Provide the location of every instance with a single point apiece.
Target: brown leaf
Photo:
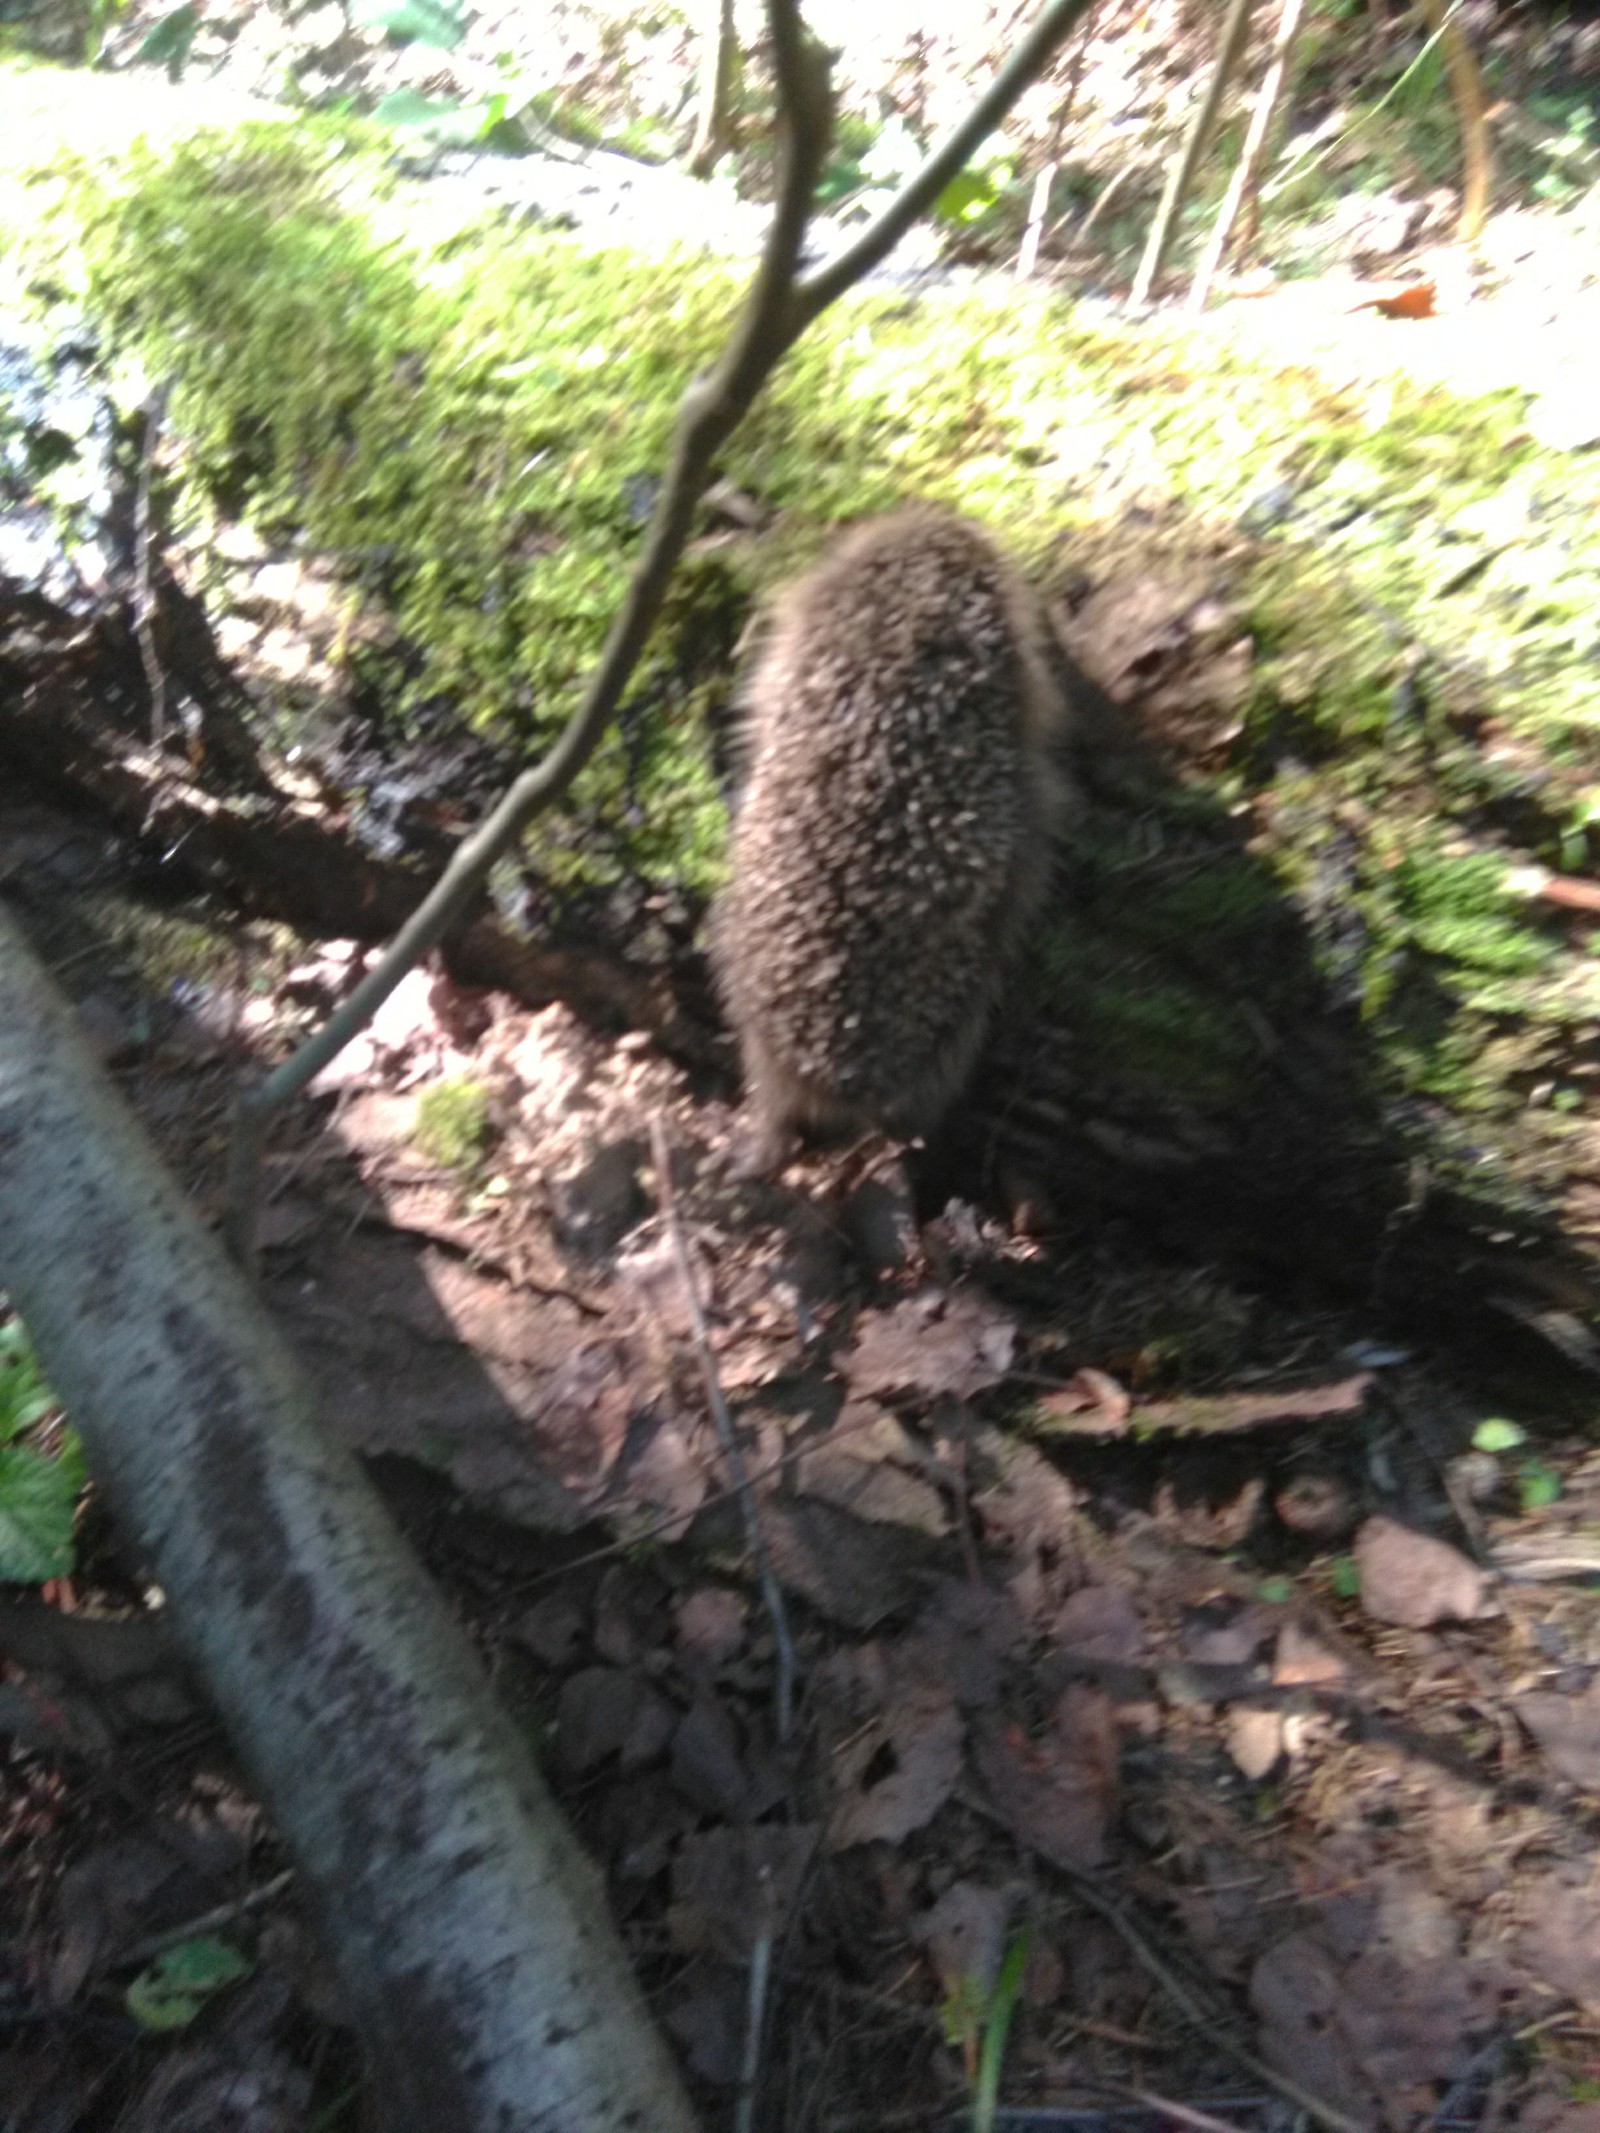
(961, 1641)
(1307, 1656)
(711, 1623)
(1102, 1622)
(1057, 1793)
(707, 1764)
(1416, 300)
(895, 1774)
(1567, 1729)
(943, 1341)
(708, 2013)
(873, 1489)
(1560, 1940)
(1413, 1580)
(850, 1571)
(733, 1887)
(608, 1710)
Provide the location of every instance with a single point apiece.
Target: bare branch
(918, 194)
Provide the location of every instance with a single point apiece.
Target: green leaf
(178, 1983)
(1541, 1484)
(1497, 1435)
(167, 44)
(969, 194)
(1275, 1590)
(433, 22)
(25, 1398)
(38, 1496)
(1346, 1577)
(986, 2092)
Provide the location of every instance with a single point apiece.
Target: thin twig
(1248, 168)
(727, 1437)
(1189, 2007)
(1235, 23)
(1173, 1986)
(146, 535)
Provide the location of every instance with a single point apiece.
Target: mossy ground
(471, 424)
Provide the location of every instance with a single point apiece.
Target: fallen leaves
(1412, 1580)
(897, 1771)
(941, 1342)
(1567, 1729)
(1057, 1793)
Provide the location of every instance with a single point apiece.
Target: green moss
(453, 1125)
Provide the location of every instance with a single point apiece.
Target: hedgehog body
(893, 837)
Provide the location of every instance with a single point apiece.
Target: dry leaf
(943, 1341)
(1413, 1580)
(1560, 1940)
(1058, 1793)
(608, 1710)
(735, 1886)
(1416, 300)
(895, 1774)
(1567, 1729)
(1090, 1404)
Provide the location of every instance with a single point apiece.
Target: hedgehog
(893, 836)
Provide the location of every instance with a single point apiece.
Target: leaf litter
(1077, 1650)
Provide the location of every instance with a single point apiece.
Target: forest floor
(1207, 1656)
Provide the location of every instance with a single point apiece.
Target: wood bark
(470, 1930)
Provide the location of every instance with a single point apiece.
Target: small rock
(1303, 1659)
(1413, 1580)
(1255, 1741)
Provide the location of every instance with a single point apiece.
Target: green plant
(41, 1468)
(977, 2019)
(177, 1985)
(453, 1125)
